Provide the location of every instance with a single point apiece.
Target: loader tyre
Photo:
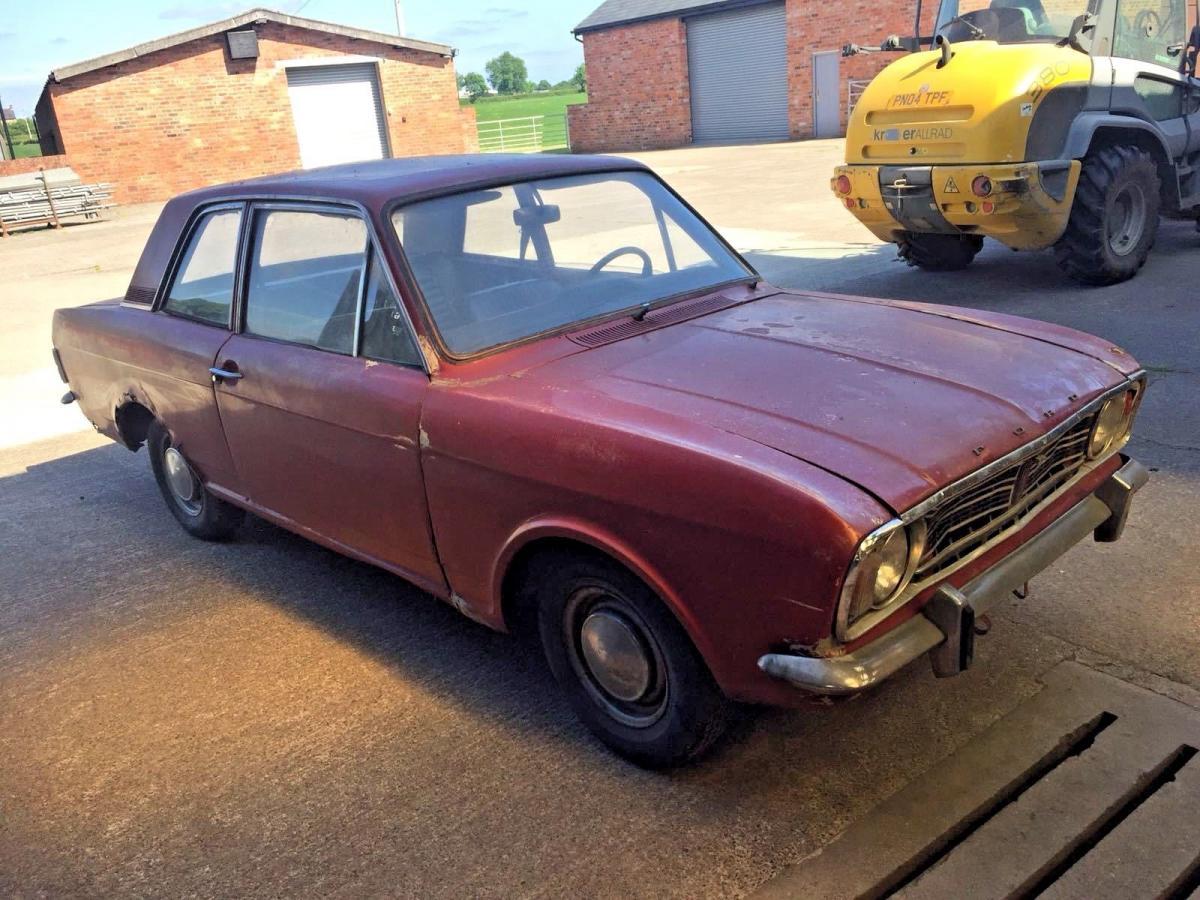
(1114, 219)
(939, 252)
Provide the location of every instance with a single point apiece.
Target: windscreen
(1008, 21)
(507, 263)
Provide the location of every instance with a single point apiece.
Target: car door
(320, 389)
(192, 322)
(1149, 42)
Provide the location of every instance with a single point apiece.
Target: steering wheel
(647, 265)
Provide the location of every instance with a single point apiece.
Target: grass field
(23, 142)
(552, 130)
(488, 109)
(21, 151)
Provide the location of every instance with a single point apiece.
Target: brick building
(258, 93)
(664, 73)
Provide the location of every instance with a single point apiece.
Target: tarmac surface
(265, 717)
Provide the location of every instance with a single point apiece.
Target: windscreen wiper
(977, 33)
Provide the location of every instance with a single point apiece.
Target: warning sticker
(951, 186)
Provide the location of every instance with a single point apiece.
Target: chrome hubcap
(615, 656)
(182, 480)
(1126, 219)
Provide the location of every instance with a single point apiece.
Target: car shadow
(110, 536)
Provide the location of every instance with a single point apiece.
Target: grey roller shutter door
(338, 111)
(737, 65)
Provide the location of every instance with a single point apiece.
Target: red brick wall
(638, 93)
(816, 27)
(189, 116)
(29, 164)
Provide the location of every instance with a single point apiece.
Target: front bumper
(1028, 208)
(945, 629)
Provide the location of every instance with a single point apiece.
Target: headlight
(1112, 423)
(881, 569)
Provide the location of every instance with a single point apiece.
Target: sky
(36, 37)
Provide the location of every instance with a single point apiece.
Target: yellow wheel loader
(1064, 124)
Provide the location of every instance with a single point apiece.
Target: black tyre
(939, 252)
(627, 666)
(200, 513)
(1114, 219)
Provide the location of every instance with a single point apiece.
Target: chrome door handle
(219, 375)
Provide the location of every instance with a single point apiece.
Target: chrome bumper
(946, 625)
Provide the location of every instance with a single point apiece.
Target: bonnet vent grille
(628, 327)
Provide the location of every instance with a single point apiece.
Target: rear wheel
(1114, 219)
(195, 508)
(627, 666)
(939, 252)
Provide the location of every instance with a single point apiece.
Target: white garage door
(338, 113)
(737, 65)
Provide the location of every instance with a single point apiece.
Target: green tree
(475, 85)
(461, 79)
(543, 85)
(507, 73)
(579, 79)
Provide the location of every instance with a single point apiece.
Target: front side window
(1008, 21)
(203, 285)
(306, 270)
(504, 264)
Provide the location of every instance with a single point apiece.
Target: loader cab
(1149, 31)
(1140, 52)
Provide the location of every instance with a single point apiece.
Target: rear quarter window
(203, 285)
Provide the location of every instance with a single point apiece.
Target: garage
(338, 113)
(737, 67)
(256, 93)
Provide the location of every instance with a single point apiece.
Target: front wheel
(625, 663)
(195, 508)
(1114, 219)
(939, 252)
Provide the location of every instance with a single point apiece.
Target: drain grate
(1072, 744)
(1088, 790)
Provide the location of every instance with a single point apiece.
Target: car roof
(383, 181)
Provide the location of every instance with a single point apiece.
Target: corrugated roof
(622, 12)
(246, 18)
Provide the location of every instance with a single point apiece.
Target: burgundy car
(545, 390)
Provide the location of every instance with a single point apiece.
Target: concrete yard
(265, 718)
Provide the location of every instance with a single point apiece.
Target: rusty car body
(695, 487)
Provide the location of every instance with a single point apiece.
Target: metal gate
(338, 111)
(737, 65)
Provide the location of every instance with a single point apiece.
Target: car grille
(966, 522)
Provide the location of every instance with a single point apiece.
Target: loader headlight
(881, 569)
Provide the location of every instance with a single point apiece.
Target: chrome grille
(964, 523)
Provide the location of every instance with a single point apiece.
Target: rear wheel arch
(1142, 138)
(133, 420)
